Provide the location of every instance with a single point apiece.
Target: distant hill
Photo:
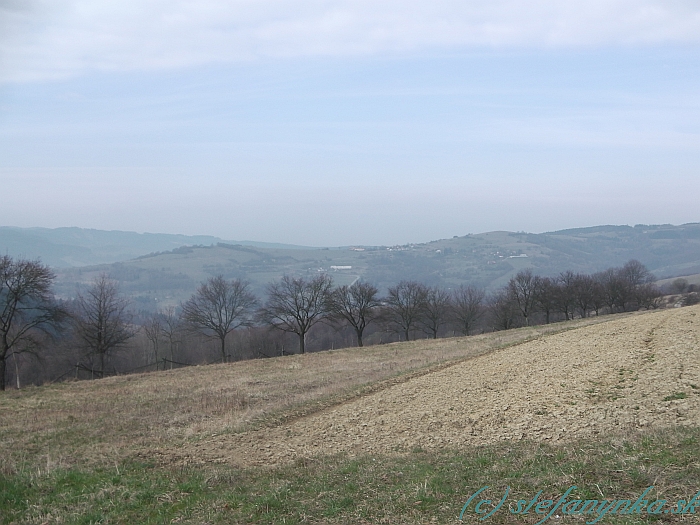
(487, 259)
(74, 247)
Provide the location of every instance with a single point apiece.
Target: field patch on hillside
(99, 422)
(624, 375)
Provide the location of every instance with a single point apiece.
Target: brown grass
(103, 421)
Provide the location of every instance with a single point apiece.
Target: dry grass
(101, 422)
(103, 451)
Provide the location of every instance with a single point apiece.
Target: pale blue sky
(335, 123)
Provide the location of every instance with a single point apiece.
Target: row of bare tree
(630, 287)
(295, 305)
(98, 322)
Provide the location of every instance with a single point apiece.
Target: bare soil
(103, 421)
(630, 373)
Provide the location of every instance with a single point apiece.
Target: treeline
(43, 339)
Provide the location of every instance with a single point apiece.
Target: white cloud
(55, 40)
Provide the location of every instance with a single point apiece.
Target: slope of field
(399, 433)
(626, 374)
(98, 422)
(599, 375)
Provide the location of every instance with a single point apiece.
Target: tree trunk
(359, 337)
(223, 349)
(406, 333)
(14, 355)
(2, 374)
(302, 343)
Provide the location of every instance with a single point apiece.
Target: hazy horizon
(348, 123)
(281, 242)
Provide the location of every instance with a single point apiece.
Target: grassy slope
(70, 452)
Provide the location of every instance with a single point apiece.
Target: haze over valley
(160, 270)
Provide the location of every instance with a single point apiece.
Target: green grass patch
(420, 487)
(675, 396)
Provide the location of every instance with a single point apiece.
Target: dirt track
(612, 376)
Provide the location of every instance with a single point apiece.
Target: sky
(329, 123)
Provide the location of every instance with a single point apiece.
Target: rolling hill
(74, 247)
(487, 259)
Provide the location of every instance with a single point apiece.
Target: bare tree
(295, 305)
(503, 309)
(583, 293)
(467, 307)
(639, 284)
(636, 274)
(522, 289)
(648, 296)
(621, 285)
(358, 305)
(613, 289)
(546, 296)
(679, 286)
(102, 319)
(598, 298)
(171, 328)
(565, 293)
(404, 305)
(153, 328)
(218, 307)
(436, 310)
(26, 308)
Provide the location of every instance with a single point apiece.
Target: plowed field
(633, 372)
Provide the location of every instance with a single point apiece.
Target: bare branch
(405, 304)
(295, 305)
(26, 307)
(102, 320)
(218, 308)
(467, 307)
(357, 305)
